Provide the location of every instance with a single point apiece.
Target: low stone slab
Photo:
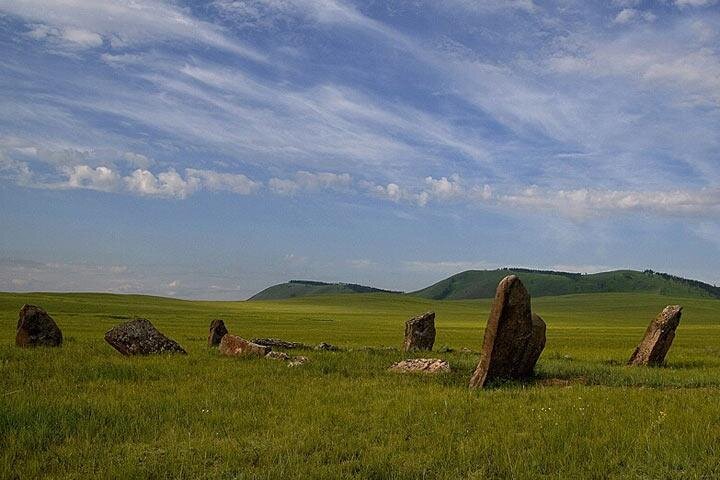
(424, 365)
(140, 337)
(217, 331)
(278, 356)
(297, 361)
(327, 347)
(658, 338)
(513, 339)
(277, 343)
(420, 332)
(36, 328)
(234, 346)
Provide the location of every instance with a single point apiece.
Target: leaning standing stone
(420, 332)
(140, 337)
(508, 333)
(217, 331)
(234, 346)
(36, 328)
(658, 338)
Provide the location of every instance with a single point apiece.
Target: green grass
(84, 411)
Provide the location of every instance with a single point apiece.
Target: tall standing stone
(36, 328)
(513, 341)
(420, 332)
(217, 331)
(140, 337)
(658, 338)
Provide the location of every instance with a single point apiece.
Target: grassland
(84, 411)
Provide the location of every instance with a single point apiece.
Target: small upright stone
(217, 331)
(420, 332)
(36, 328)
(140, 337)
(512, 341)
(658, 338)
(234, 346)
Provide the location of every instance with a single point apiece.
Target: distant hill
(474, 284)
(540, 283)
(303, 288)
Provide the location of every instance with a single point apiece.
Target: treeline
(710, 289)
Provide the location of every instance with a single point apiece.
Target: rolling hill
(482, 284)
(304, 288)
(474, 284)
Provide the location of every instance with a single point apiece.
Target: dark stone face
(658, 338)
(513, 339)
(420, 332)
(217, 331)
(36, 328)
(140, 337)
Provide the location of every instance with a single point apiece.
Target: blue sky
(210, 149)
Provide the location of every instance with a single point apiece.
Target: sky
(211, 149)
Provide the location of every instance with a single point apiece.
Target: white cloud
(167, 184)
(626, 15)
(229, 182)
(85, 22)
(99, 178)
(311, 182)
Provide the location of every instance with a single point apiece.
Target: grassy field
(84, 411)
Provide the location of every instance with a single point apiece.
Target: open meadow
(85, 411)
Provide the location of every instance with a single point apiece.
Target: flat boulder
(658, 338)
(424, 365)
(420, 332)
(234, 346)
(277, 343)
(36, 328)
(217, 331)
(278, 356)
(140, 337)
(297, 361)
(513, 340)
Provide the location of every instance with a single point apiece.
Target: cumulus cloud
(218, 182)
(99, 178)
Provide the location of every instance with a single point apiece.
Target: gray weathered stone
(420, 332)
(36, 328)
(140, 337)
(217, 331)
(424, 365)
(658, 338)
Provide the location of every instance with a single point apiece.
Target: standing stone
(140, 337)
(217, 331)
(234, 346)
(36, 328)
(512, 343)
(658, 338)
(420, 332)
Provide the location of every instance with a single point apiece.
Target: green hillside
(482, 284)
(304, 288)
